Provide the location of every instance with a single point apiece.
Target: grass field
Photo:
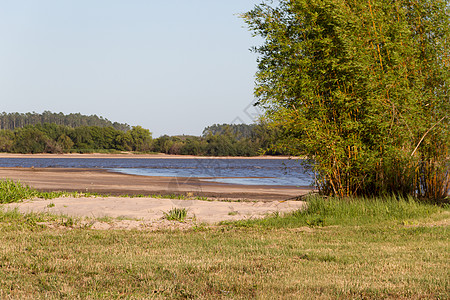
(365, 249)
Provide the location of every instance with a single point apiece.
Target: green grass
(354, 212)
(14, 220)
(176, 214)
(366, 249)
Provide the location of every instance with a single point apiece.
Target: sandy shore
(105, 182)
(147, 213)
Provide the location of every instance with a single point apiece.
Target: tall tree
(360, 87)
(18, 120)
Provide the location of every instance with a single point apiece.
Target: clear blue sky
(170, 66)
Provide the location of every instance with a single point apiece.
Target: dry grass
(388, 259)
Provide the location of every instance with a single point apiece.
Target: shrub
(362, 89)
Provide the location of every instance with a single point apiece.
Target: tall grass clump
(364, 210)
(176, 214)
(11, 191)
(348, 211)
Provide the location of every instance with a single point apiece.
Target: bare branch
(426, 134)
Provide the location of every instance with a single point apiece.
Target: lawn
(366, 249)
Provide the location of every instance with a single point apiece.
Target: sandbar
(111, 183)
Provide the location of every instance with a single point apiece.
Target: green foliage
(53, 138)
(65, 142)
(362, 89)
(222, 140)
(139, 139)
(240, 131)
(30, 140)
(11, 191)
(176, 214)
(6, 140)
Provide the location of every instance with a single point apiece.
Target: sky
(173, 67)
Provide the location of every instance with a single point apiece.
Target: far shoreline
(125, 155)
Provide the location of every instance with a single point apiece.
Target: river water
(236, 171)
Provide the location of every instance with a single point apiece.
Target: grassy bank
(15, 191)
(367, 249)
(11, 191)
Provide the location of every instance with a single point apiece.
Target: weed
(11, 191)
(176, 214)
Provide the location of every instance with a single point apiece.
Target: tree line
(222, 140)
(15, 120)
(217, 140)
(54, 138)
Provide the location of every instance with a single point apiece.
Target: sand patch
(131, 213)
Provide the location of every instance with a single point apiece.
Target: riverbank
(106, 182)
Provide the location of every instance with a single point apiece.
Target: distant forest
(15, 120)
(222, 140)
(58, 133)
